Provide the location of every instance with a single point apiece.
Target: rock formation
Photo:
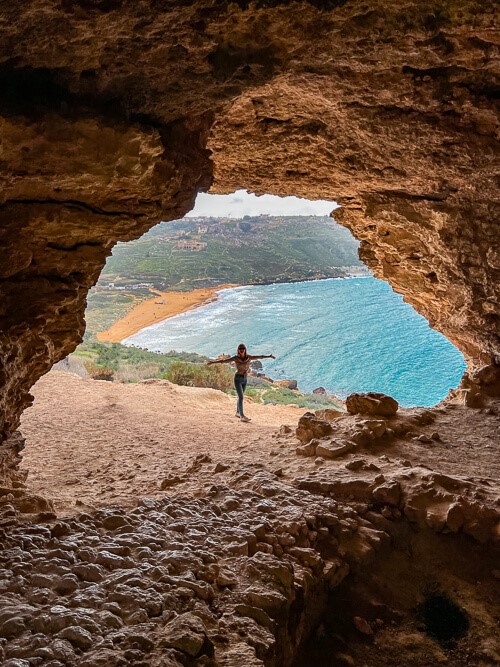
(114, 114)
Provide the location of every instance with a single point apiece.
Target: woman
(242, 362)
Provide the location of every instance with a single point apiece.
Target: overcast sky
(242, 203)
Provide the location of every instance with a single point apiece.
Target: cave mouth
(443, 619)
(372, 340)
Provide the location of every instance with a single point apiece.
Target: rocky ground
(177, 535)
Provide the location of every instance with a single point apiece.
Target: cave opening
(282, 255)
(147, 322)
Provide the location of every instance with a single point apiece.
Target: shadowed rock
(371, 403)
(310, 427)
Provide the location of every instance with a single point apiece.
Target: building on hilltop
(193, 246)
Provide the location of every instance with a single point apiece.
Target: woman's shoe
(245, 419)
(238, 415)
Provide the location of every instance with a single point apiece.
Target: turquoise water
(346, 335)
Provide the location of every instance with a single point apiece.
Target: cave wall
(114, 113)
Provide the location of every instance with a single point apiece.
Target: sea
(344, 334)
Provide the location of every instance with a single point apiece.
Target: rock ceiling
(115, 113)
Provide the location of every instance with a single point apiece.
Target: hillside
(195, 252)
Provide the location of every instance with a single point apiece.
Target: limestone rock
(170, 480)
(371, 403)
(12, 627)
(388, 493)
(288, 384)
(377, 426)
(79, 637)
(258, 614)
(308, 449)
(185, 633)
(455, 518)
(333, 449)
(310, 427)
(114, 521)
(362, 625)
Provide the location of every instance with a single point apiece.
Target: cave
(116, 114)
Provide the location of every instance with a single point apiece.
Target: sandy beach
(156, 309)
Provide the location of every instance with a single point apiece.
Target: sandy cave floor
(93, 444)
(100, 443)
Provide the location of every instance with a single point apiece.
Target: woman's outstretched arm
(221, 361)
(261, 356)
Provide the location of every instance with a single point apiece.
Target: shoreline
(157, 309)
(151, 312)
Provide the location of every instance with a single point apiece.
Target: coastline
(152, 311)
(157, 309)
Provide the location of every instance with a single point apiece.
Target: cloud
(241, 203)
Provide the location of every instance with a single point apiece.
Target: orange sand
(153, 311)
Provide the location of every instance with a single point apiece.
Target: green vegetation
(116, 362)
(283, 396)
(106, 307)
(194, 375)
(261, 249)
(129, 364)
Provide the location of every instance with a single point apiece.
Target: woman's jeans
(240, 384)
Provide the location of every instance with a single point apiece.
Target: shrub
(196, 375)
(138, 372)
(99, 372)
(283, 396)
(253, 393)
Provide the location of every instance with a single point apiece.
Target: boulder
(308, 449)
(388, 493)
(79, 637)
(288, 384)
(371, 403)
(377, 426)
(320, 390)
(333, 449)
(310, 427)
(185, 633)
(454, 518)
